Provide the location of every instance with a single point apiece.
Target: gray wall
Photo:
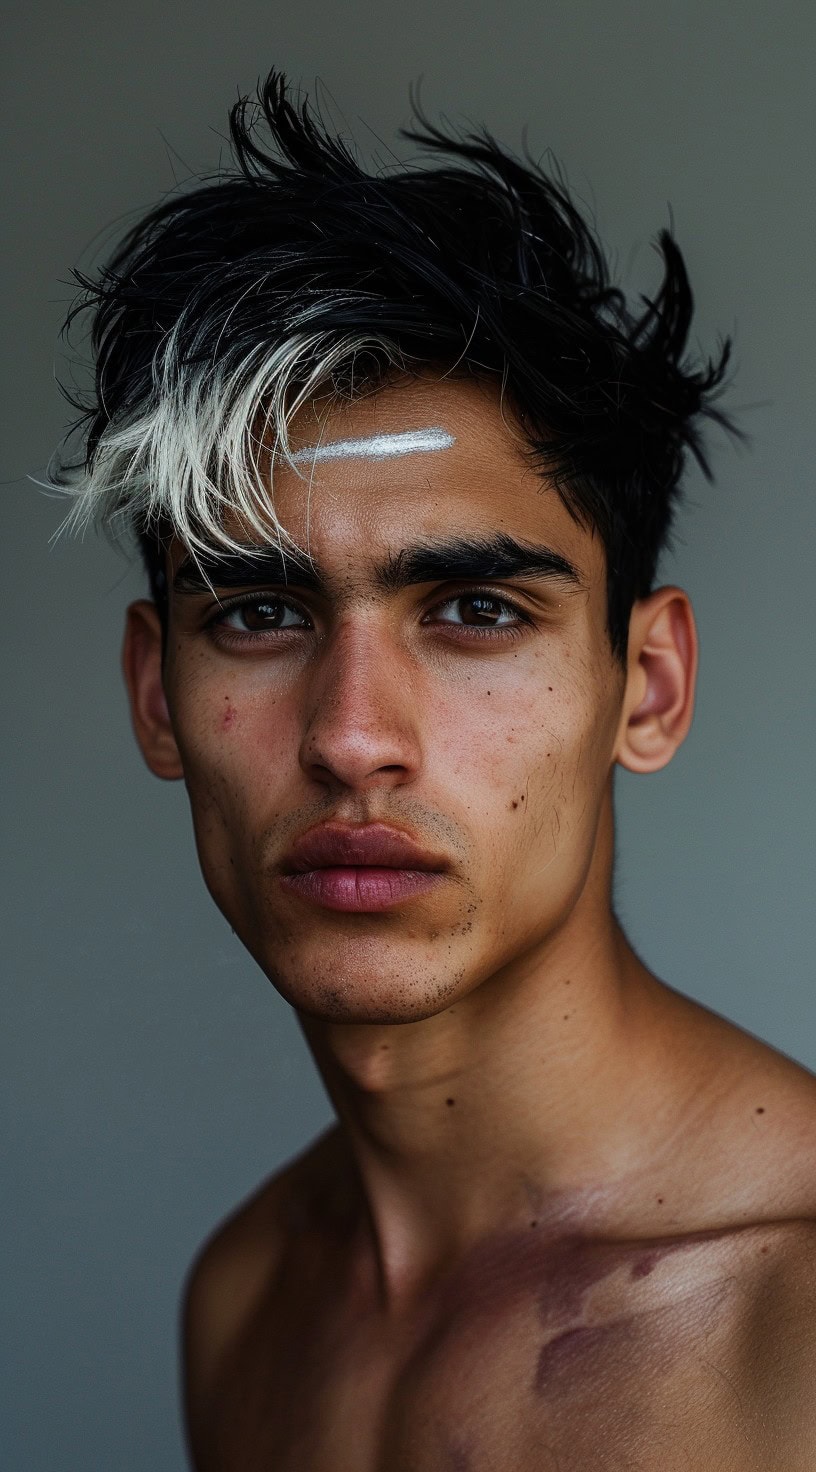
(153, 1075)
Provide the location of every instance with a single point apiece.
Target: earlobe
(658, 701)
(142, 668)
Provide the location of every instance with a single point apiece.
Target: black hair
(481, 264)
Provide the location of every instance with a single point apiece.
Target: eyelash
(216, 624)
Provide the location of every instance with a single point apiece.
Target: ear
(658, 701)
(142, 667)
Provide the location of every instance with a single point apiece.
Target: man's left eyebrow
(465, 559)
(254, 567)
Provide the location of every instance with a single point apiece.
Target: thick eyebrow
(466, 559)
(454, 559)
(256, 567)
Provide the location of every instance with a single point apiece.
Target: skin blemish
(560, 1272)
(514, 804)
(760, 1110)
(458, 1458)
(450, 1101)
(569, 1351)
(660, 1200)
(228, 717)
(644, 1266)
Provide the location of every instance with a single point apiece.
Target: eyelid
(255, 596)
(477, 590)
(454, 592)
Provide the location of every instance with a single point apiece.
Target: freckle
(763, 1249)
(533, 1224)
(514, 804)
(566, 1016)
(568, 981)
(450, 1101)
(760, 1110)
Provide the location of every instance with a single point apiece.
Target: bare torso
(545, 1349)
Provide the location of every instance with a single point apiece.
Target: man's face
(400, 685)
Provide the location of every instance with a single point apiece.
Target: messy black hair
(296, 273)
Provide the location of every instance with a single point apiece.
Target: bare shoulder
(780, 1104)
(237, 1268)
(755, 1148)
(780, 1153)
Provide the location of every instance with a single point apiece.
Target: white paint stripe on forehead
(379, 446)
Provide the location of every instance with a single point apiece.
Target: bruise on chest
(576, 1296)
(531, 1343)
(587, 1351)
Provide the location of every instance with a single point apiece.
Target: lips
(373, 845)
(364, 869)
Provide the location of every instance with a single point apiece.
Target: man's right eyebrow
(250, 568)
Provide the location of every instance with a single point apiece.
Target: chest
(495, 1382)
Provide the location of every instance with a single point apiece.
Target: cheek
(534, 767)
(237, 750)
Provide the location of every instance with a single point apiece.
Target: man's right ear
(142, 667)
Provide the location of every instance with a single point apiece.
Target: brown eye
(261, 616)
(478, 610)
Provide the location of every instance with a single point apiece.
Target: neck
(529, 1100)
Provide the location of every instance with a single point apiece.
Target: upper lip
(331, 845)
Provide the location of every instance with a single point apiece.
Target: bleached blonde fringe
(193, 452)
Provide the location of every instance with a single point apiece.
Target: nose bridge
(359, 722)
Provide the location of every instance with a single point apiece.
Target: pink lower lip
(364, 889)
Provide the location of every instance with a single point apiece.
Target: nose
(361, 730)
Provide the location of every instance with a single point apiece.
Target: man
(402, 462)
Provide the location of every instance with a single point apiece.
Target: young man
(402, 462)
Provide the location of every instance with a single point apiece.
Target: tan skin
(565, 1219)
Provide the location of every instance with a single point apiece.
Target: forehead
(431, 457)
(421, 459)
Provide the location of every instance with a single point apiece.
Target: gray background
(153, 1076)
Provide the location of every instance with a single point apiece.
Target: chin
(376, 989)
